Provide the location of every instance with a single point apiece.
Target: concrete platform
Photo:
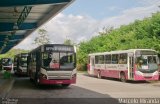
(5, 85)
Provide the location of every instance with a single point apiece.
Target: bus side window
(122, 58)
(99, 59)
(108, 59)
(96, 59)
(115, 59)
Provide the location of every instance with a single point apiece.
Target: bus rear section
(133, 64)
(6, 64)
(20, 64)
(53, 64)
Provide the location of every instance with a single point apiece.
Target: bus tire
(99, 75)
(31, 79)
(36, 80)
(122, 77)
(65, 85)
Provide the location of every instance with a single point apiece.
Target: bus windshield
(58, 60)
(6, 61)
(147, 63)
(24, 61)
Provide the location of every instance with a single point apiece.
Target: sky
(84, 19)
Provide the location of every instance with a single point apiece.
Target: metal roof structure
(19, 18)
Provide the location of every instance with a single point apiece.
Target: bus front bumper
(7, 68)
(145, 78)
(57, 81)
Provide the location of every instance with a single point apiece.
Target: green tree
(106, 30)
(42, 38)
(12, 53)
(140, 34)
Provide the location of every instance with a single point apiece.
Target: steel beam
(24, 26)
(12, 37)
(9, 3)
(23, 15)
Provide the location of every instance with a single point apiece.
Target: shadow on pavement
(27, 93)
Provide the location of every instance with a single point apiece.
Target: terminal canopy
(19, 18)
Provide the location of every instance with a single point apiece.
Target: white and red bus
(53, 64)
(132, 64)
(6, 64)
(20, 64)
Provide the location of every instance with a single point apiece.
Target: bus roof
(50, 45)
(19, 54)
(120, 51)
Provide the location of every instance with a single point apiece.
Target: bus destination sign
(59, 48)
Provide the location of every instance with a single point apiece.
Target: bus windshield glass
(6, 61)
(58, 60)
(24, 61)
(147, 63)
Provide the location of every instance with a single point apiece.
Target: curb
(6, 87)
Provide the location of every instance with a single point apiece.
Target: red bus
(132, 64)
(53, 64)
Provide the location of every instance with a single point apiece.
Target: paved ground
(5, 84)
(23, 88)
(88, 89)
(117, 89)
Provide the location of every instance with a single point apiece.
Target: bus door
(38, 61)
(92, 64)
(130, 66)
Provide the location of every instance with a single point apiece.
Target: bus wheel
(31, 79)
(37, 81)
(99, 75)
(65, 85)
(122, 77)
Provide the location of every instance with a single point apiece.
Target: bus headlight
(74, 75)
(138, 73)
(43, 76)
(155, 73)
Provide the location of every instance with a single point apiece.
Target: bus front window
(67, 60)
(147, 63)
(46, 59)
(24, 61)
(54, 63)
(6, 61)
(58, 60)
